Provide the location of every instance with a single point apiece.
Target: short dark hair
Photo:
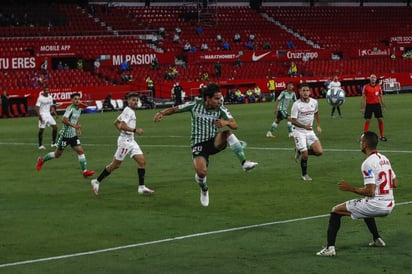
(304, 85)
(371, 139)
(209, 90)
(74, 95)
(131, 94)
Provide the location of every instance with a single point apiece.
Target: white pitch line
(187, 146)
(168, 240)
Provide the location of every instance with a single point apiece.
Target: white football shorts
(48, 120)
(304, 139)
(126, 145)
(368, 208)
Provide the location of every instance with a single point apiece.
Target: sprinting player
(372, 102)
(126, 144)
(44, 108)
(379, 179)
(69, 135)
(281, 109)
(303, 112)
(208, 116)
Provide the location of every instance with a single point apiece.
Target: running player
(69, 135)
(303, 112)
(281, 109)
(126, 144)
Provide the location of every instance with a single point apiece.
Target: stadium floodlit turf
(265, 221)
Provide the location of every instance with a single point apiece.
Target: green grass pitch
(265, 221)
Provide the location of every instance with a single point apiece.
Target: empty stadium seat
(99, 105)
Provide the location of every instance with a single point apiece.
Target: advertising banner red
(90, 94)
(135, 59)
(259, 55)
(7, 63)
(367, 52)
(56, 49)
(401, 41)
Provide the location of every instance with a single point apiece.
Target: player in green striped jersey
(208, 116)
(68, 135)
(281, 109)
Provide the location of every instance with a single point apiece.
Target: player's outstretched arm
(169, 111)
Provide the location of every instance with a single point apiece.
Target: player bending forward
(379, 179)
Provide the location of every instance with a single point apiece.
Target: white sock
(200, 180)
(232, 140)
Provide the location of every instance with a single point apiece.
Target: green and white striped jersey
(203, 120)
(285, 98)
(72, 113)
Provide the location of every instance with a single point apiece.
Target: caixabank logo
(374, 52)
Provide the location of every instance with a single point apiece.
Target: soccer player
(372, 97)
(44, 108)
(281, 109)
(335, 84)
(69, 135)
(379, 179)
(303, 112)
(126, 144)
(208, 116)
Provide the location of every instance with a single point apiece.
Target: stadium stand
(346, 32)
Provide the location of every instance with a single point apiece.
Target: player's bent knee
(201, 173)
(226, 133)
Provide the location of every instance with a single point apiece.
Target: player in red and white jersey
(379, 179)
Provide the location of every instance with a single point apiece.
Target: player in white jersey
(304, 112)
(126, 144)
(281, 109)
(335, 84)
(208, 116)
(379, 179)
(44, 108)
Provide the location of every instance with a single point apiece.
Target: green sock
(48, 156)
(290, 128)
(238, 150)
(273, 127)
(203, 186)
(83, 162)
(202, 182)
